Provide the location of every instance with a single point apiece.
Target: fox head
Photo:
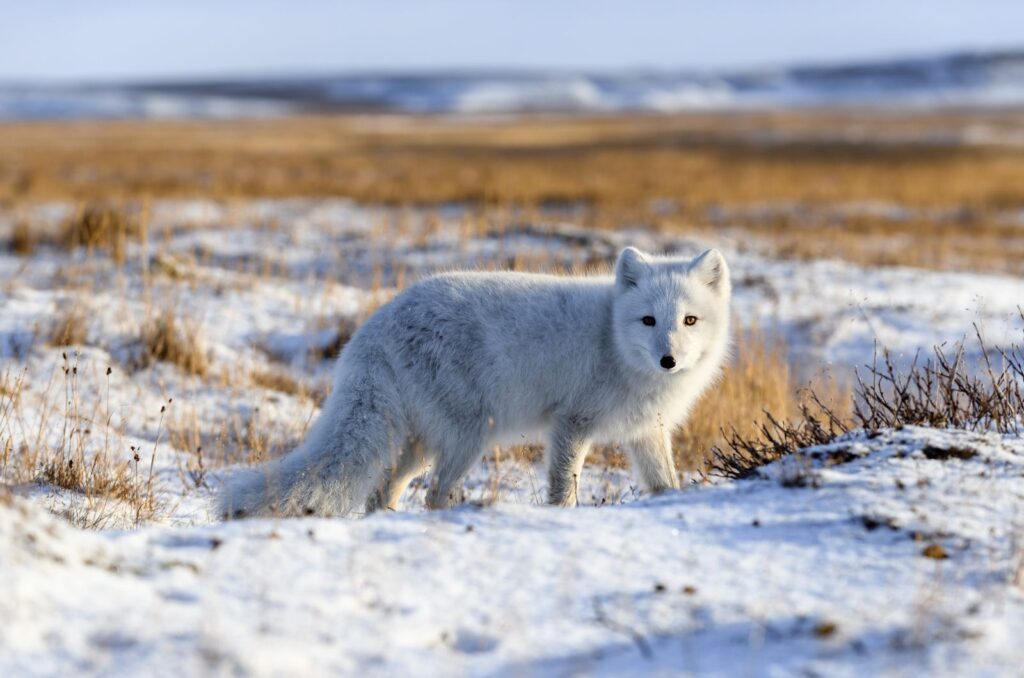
(669, 313)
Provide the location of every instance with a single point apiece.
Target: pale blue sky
(102, 39)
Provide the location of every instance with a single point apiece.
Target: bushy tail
(334, 471)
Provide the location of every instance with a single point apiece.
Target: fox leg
(652, 457)
(567, 450)
(412, 461)
(453, 463)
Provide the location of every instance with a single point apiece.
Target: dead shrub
(166, 339)
(944, 391)
(741, 454)
(756, 381)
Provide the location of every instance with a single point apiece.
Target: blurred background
(893, 119)
(112, 58)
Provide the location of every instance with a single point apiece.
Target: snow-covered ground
(257, 272)
(817, 568)
(752, 576)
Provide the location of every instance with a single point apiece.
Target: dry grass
(84, 461)
(70, 327)
(92, 477)
(244, 437)
(94, 225)
(943, 391)
(23, 240)
(982, 239)
(758, 381)
(612, 161)
(668, 173)
(98, 225)
(10, 395)
(165, 338)
(278, 380)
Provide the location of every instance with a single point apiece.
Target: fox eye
(648, 320)
(690, 320)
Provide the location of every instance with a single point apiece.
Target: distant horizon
(60, 41)
(986, 78)
(314, 73)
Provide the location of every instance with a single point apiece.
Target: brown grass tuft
(166, 339)
(94, 477)
(23, 239)
(102, 226)
(10, 395)
(69, 327)
(277, 380)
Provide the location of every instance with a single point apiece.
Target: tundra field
(174, 294)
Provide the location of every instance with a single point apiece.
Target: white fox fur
(463, 361)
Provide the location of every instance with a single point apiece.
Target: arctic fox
(463, 361)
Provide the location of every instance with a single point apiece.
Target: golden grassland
(665, 173)
(611, 162)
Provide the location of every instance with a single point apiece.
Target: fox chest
(638, 413)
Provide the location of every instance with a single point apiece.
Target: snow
(269, 266)
(811, 567)
(750, 576)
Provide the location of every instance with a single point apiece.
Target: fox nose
(668, 362)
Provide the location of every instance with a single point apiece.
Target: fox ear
(710, 268)
(630, 268)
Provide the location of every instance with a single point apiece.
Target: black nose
(668, 362)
